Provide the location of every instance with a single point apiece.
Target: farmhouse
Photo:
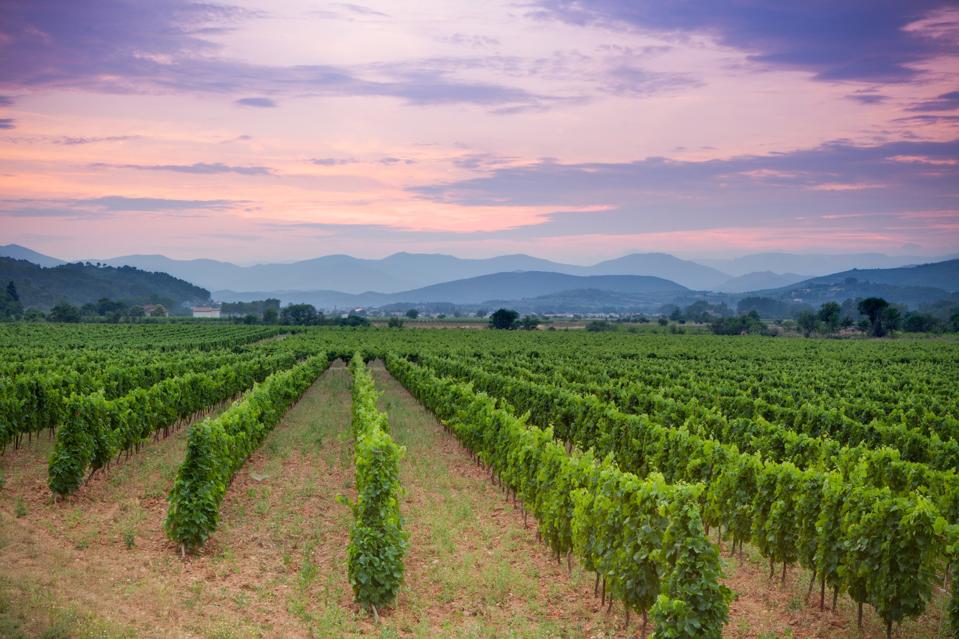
(206, 311)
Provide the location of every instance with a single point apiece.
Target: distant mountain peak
(18, 252)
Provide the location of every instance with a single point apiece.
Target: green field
(212, 480)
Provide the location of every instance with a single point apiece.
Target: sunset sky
(263, 131)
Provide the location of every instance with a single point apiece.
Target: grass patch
(29, 610)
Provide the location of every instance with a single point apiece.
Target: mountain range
(406, 271)
(639, 281)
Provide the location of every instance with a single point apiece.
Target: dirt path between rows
(473, 570)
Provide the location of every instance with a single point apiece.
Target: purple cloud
(863, 97)
(121, 203)
(199, 168)
(332, 161)
(471, 41)
(114, 46)
(945, 102)
(928, 119)
(849, 40)
(107, 206)
(5, 101)
(391, 161)
(660, 193)
(361, 10)
(347, 11)
(75, 141)
(628, 80)
(6, 123)
(262, 103)
(482, 161)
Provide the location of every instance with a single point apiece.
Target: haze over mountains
(484, 289)
(640, 281)
(405, 271)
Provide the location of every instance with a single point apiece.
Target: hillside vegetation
(83, 283)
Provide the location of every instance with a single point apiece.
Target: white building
(206, 311)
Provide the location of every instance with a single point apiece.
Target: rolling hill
(913, 286)
(760, 280)
(814, 265)
(942, 275)
(482, 289)
(689, 274)
(527, 284)
(43, 287)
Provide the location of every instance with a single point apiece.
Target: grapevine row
(880, 548)
(588, 421)
(938, 449)
(32, 403)
(377, 540)
(217, 447)
(643, 537)
(95, 429)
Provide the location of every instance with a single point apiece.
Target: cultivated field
(212, 480)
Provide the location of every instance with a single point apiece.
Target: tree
(396, 322)
(807, 323)
(748, 323)
(873, 308)
(528, 323)
(136, 312)
(830, 314)
(353, 320)
(891, 319)
(920, 323)
(270, 316)
(250, 318)
(64, 312)
(503, 319)
(298, 314)
(10, 306)
(105, 306)
(412, 313)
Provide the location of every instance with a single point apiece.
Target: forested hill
(943, 275)
(79, 283)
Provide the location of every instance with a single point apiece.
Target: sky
(572, 130)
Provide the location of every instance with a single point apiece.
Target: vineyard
(213, 480)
